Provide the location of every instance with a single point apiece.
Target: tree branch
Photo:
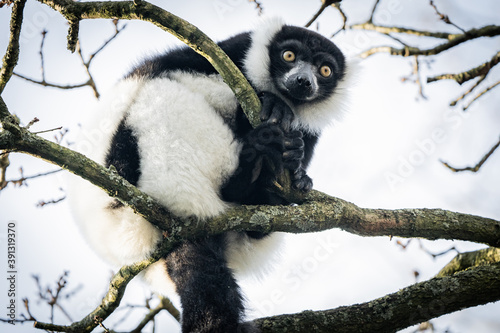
(388, 30)
(481, 70)
(409, 306)
(165, 304)
(478, 165)
(481, 94)
(12, 54)
(324, 4)
(109, 303)
(487, 31)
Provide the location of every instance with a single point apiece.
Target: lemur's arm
(268, 150)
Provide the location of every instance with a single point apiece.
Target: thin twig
(343, 16)
(165, 304)
(42, 203)
(460, 78)
(444, 18)
(86, 64)
(44, 33)
(325, 4)
(478, 165)
(53, 85)
(370, 20)
(258, 6)
(416, 71)
(20, 181)
(478, 82)
(49, 130)
(481, 94)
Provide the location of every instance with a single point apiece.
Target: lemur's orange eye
(325, 71)
(288, 56)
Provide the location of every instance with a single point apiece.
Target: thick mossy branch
(409, 306)
(322, 212)
(183, 30)
(11, 56)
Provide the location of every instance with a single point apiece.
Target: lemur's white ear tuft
(257, 61)
(353, 72)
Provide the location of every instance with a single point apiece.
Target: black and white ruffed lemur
(174, 129)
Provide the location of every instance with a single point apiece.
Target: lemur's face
(305, 66)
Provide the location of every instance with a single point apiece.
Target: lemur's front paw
(275, 111)
(293, 150)
(301, 181)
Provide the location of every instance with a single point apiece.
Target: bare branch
(20, 181)
(324, 4)
(415, 77)
(374, 9)
(258, 6)
(481, 94)
(409, 306)
(109, 303)
(444, 17)
(481, 70)
(43, 203)
(481, 79)
(487, 31)
(86, 64)
(11, 56)
(165, 304)
(343, 16)
(53, 85)
(388, 30)
(44, 33)
(478, 165)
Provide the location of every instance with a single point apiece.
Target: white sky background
(388, 129)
